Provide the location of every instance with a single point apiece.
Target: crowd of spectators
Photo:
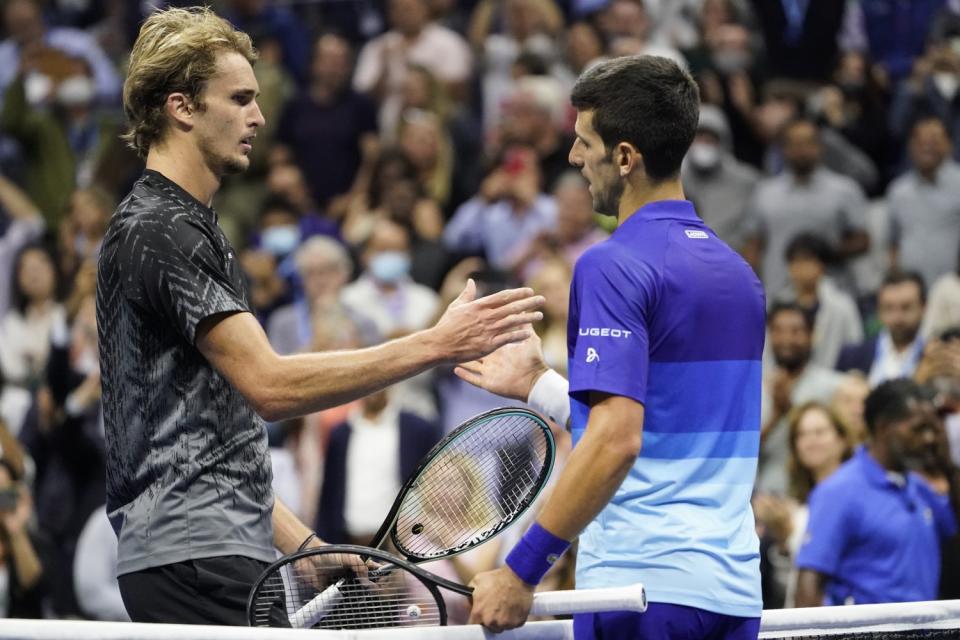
(411, 144)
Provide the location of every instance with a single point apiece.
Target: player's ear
(181, 109)
(627, 158)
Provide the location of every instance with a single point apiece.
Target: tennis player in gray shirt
(188, 373)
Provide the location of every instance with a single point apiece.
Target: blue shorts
(664, 621)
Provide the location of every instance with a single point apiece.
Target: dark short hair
(927, 118)
(786, 307)
(805, 245)
(647, 101)
(890, 402)
(278, 203)
(899, 277)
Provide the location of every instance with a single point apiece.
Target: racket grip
(318, 608)
(548, 603)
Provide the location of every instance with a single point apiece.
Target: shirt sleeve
(854, 209)
(829, 530)
(464, 232)
(179, 274)
(369, 66)
(609, 337)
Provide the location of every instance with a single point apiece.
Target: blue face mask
(390, 267)
(281, 241)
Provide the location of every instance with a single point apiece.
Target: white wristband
(549, 397)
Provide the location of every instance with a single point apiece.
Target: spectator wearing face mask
(283, 229)
(26, 32)
(386, 297)
(931, 89)
(323, 268)
(384, 293)
(716, 181)
(64, 138)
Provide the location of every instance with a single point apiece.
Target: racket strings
(474, 487)
(300, 595)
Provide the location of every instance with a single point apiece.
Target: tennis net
(910, 621)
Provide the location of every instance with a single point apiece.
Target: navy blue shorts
(664, 622)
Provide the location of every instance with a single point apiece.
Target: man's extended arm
(594, 471)
(280, 387)
(810, 590)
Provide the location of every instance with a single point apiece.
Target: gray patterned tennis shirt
(188, 471)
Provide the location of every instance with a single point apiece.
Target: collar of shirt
(877, 475)
(889, 363)
(158, 179)
(664, 210)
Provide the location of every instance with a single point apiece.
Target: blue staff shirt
(876, 535)
(665, 313)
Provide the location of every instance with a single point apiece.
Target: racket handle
(318, 608)
(548, 603)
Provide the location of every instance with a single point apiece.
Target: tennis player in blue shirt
(665, 336)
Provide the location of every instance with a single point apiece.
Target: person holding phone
(21, 570)
(509, 211)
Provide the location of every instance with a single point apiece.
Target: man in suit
(378, 436)
(896, 351)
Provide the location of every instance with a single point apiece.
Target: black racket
(351, 587)
(471, 486)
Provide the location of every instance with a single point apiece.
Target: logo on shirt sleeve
(592, 355)
(696, 234)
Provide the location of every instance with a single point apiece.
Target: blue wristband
(536, 552)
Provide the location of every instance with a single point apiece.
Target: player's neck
(184, 166)
(641, 193)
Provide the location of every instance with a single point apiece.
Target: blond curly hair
(176, 51)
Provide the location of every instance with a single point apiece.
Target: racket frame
(387, 528)
(429, 580)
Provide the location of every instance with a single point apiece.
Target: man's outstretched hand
(510, 371)
(471, 328)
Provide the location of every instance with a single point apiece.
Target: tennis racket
(351, 587)
(471, 486)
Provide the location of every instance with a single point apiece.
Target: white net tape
(823, 621)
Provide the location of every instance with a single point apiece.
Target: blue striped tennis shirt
(665, 313)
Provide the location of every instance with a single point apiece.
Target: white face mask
(37, 87)
(946, 83)
(731, 61)
(704, 156)
(75, 91)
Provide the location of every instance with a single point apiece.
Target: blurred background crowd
(411, 144)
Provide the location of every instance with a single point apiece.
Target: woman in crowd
(819, 443)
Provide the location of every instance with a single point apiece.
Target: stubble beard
(222, 165)
(607, 201)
